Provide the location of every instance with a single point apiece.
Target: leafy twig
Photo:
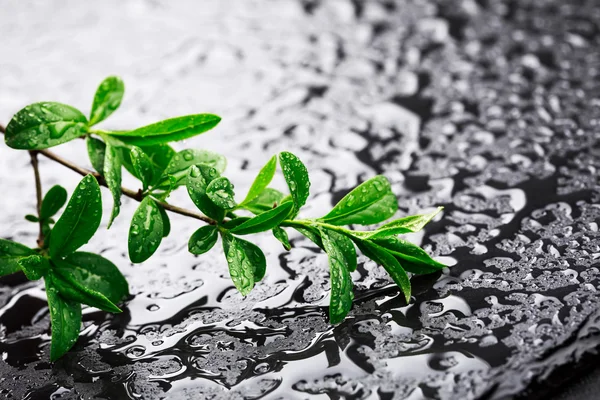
(73, 278)
(133, 194)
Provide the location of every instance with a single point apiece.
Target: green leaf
(161, 196)
(146, 231)
(346, 248)
(144, 169)
(165, 219)
(393, 267)
(282, 236)
(97, 152)
(232, 223)
(286, 199)
(53, 201)
(79, 221)
(181, 162)
(313, 234)
(65, 317)
(70, 289)
(264, 221)
(169, 130)
(296, 176)
(34, 266)
(96, 273)
(220, 192)
(32, 218)
(91, 279)
(265, 201)
(247, 263)
(369, 203)
(410, 224)
(114, 141)
(43, 125)
(203, 239)
(414, 256)
(47, 230)
(160, 156)
(199, 177)
(113, 177)
(107, 99)
(262, 180)
(340, 265)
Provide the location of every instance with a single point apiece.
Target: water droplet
(135, 351)
(350, 200)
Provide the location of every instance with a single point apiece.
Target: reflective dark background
(489, 108)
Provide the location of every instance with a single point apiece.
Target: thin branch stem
(38, 193)
(133, 194)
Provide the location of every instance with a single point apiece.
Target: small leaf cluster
(144, 152)
(74, 278)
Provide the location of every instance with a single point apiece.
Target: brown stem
(38, 193)
(134, 194)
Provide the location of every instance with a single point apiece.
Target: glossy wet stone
(489, 108)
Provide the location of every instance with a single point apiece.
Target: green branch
(73, 278)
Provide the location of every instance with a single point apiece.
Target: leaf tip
(335, 319)
(407, 295)
(115, 309)
(54, 356)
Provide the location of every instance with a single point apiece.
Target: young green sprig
(73, 278)
(370, 203)
(48, 124)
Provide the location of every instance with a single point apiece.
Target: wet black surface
(489, 108)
